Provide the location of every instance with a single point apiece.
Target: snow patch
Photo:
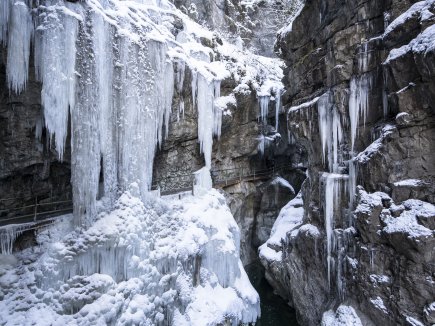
(289, 218)
(344, 316)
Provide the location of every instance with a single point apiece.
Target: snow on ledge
(289, 218)
(344, 316)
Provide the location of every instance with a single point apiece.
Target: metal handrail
(214, 173)
(33, 206)
(223, 176)
(35, 214)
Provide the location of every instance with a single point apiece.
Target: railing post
(254, 174)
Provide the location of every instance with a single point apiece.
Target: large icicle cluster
(157, 263)
(331, 133)
(109, 69)
(337, 186)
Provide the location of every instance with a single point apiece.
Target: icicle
(55, 58)
(340, 255)
(261, 145)
(358, 103)
(4, 19)
(323, 110)
(205, 102)
(8, 235)
(337, 135)
(217, 111)
(102, 46)
(353, 175)
(332, 198)
(194, 85)
(331, 133)
(277, 108)
(168, 94)
(363, 57)
(263, 102)
(20, 35)
(39, 127)
(85, 140)
(372, 254)
(209, 116)
(180, 70)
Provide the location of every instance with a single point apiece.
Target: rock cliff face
(358, 125)
(360, 100)
(255, 202)
(29, 168)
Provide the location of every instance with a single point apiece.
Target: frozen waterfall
(113, 77)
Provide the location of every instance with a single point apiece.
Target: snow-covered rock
(289, 218)
(343, 316)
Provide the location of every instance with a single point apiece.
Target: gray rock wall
(332, 42)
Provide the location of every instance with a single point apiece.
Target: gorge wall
(360, 94)
(33, 170)
(355, 122)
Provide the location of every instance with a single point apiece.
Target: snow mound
(344, 316)
(289, 218)
(153, 263)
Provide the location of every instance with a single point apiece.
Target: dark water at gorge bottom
(274, 309)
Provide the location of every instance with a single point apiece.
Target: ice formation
(203, 181)
(333, 185)
(20, 35)
(264, 107)
(110, 69)
(277, 108)
(331, 133)
(8, 234)
(358, 103)
(156, 263)
(209, 115)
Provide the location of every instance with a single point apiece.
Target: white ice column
(330, 130)
(358, 103)
(20, 35)
(55, 62)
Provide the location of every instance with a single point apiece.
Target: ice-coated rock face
(163, 262)
(360, 93)
(251, 23)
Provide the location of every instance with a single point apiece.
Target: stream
(274, 309)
